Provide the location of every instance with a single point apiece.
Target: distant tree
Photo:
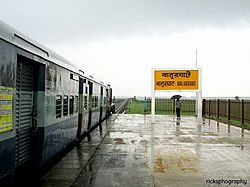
(237, 98)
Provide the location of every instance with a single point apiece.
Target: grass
(135, 107)
(162, 108)
(234, 122)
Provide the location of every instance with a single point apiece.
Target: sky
(120, 41)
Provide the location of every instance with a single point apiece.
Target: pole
(229, 110)
(242, 112)
(242, 117)
(145, 105)
(199, 98)
(218, 109)
(203, 107)
(153, 96)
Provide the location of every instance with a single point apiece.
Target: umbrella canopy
(176, 97)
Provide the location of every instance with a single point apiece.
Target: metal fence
(216, 108)
(229, 109)
(168, 106)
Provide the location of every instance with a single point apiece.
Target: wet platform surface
(133, 152)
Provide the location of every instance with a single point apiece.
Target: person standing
(178, 108)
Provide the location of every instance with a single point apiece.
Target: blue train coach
(46, 104)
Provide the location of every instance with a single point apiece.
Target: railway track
(120, 105)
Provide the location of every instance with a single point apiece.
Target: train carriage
(46, 104)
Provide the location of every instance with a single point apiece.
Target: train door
(86, 104)
(101, 104)
(24, 111)
(109, 100)
(80, 114)
(107, 103)
(90, 105)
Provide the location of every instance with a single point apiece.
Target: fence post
(218, 109)
(147, 105)
(229, 110)
(203, 107)
(209, 108)
(242, 115)
(229, 114)
(218, 114)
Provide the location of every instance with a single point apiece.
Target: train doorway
(24, 102)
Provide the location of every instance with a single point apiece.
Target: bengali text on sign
(176, 79)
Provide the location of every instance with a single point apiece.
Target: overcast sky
(119, 41)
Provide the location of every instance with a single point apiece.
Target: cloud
(84, 20)
(103, 36)
(126, 64)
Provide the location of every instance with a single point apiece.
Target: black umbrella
(176, 97)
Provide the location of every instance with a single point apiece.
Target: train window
(58, 106)
(65, 105)
(85, 102)
(93, 102)
(101, 100)
(71, 104)
(76, 104)
(96, 102)
(104, 100)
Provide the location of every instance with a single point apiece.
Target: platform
(133, 152)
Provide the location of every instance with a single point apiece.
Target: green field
(234, 122)
(162, 107)
(135, 107)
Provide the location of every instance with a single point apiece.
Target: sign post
(177, 79)
(153, 97)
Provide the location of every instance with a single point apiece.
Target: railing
(238, 110)
(228, 109)
(167, 106)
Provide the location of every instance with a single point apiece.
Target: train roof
(15, 37)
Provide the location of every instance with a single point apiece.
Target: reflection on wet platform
(170, 152)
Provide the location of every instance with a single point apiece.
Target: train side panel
(95, 104)
(7, 134)
(103, 103)
(109, 100)
(46, 104)
(83, 116)
(22, 75)
(61, 106)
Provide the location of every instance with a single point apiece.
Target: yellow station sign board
(176, 79)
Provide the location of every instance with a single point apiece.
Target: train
(47, 104)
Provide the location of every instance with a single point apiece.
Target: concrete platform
(133, 152)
